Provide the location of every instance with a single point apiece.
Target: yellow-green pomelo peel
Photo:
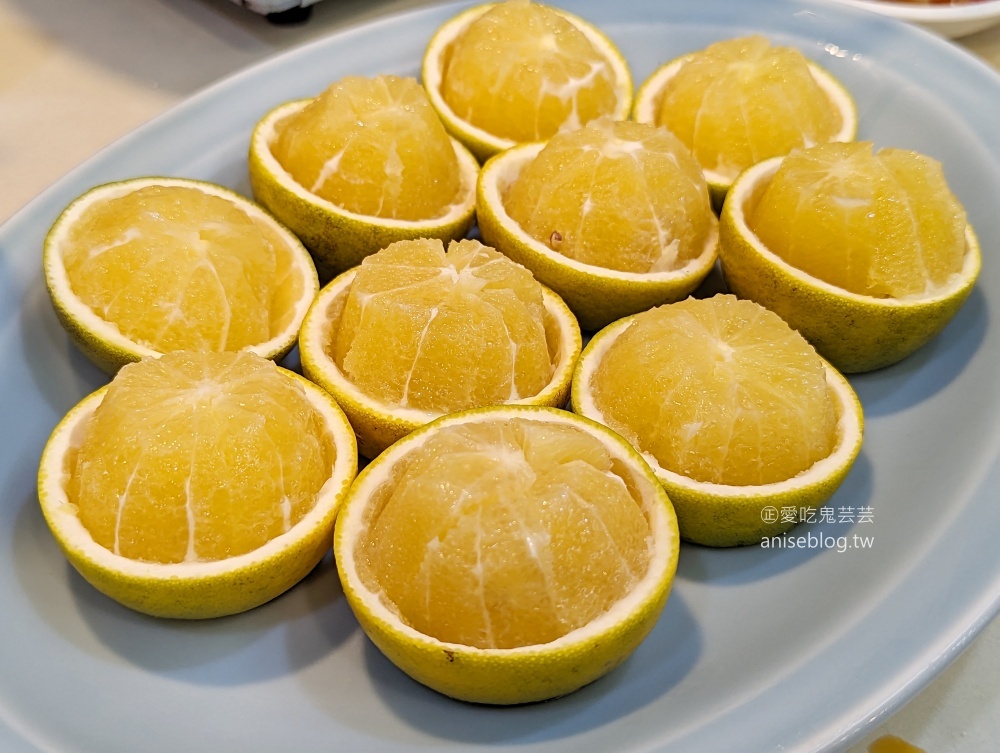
(378, 425)
(854, 332)
(339, 239)
(598, 296)
(725, 515)
(650, 96)
(196, 590)
(528, 673)
(481, 143)
(104, 343)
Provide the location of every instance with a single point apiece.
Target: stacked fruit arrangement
(497, 548)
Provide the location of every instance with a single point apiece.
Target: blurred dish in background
(280, 11)
(952, 19)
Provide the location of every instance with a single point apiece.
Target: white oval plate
(758, 650)
(950, 20)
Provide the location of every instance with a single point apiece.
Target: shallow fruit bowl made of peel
(798, 649)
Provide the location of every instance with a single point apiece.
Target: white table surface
(77, 74)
